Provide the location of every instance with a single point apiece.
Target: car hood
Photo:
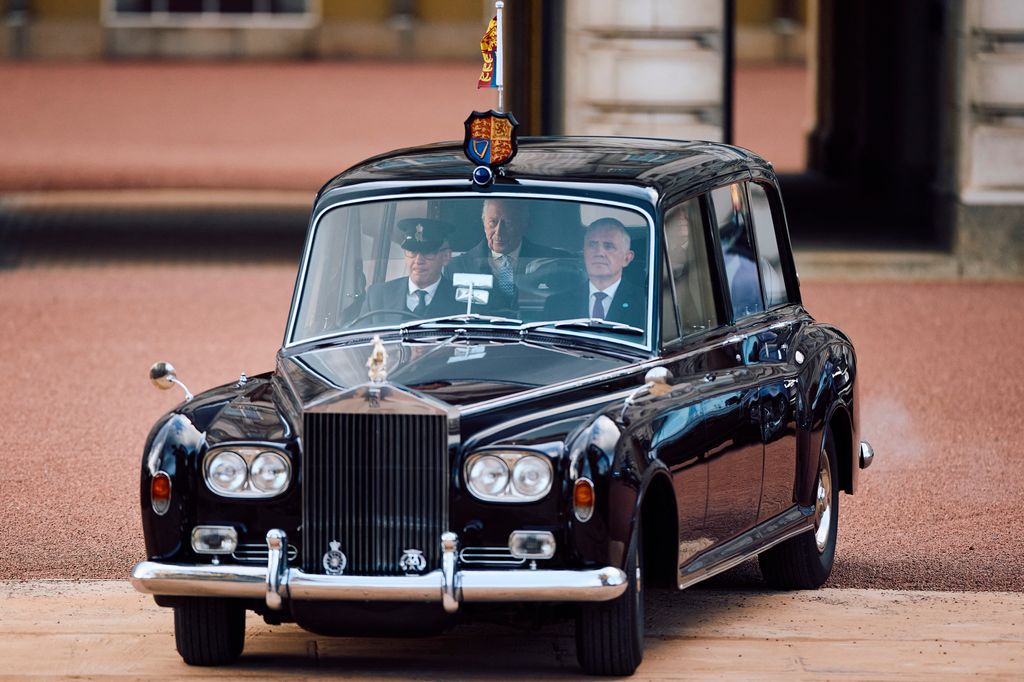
(457, 372)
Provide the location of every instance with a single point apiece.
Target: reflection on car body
(439, 441)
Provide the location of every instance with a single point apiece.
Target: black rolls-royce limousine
(532, 387)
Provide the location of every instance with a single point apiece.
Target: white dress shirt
(412, 299)
(606, 302)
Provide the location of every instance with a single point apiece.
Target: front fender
(606, 453)
(172, 447)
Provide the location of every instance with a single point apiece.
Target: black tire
(209, 631)
(610, 635)
(805, 561)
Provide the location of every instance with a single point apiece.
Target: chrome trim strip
(764, 536)
(583, 381)
(250, 582)
(300, 282)
(867, 454)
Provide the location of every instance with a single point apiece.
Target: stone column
(645, 67)
(990, 212)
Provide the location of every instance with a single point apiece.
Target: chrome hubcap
(823, 505)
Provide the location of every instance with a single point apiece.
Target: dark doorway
(875, 162)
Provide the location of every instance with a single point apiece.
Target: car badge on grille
(334, 559)
(378, 362)
(412, 561)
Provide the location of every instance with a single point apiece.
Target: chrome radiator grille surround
(378, 485)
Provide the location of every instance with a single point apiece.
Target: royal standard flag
(489, 49)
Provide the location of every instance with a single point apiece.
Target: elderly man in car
(504, 252)
(605, 295)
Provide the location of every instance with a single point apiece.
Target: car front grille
(377, 484)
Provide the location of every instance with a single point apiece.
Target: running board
(777, 529)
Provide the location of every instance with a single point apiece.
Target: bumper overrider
(277, 583)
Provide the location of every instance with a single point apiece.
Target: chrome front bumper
(276, 582)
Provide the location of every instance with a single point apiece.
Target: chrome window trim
(300, 283)
(248, 492)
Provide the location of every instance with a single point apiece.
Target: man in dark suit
(504, 252)
(424, 293)
(605, 295)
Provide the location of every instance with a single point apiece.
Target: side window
(738, 253)
(688, 260)
(767, 247)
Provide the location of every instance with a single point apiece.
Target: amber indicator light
(583, 499)
(160, 488)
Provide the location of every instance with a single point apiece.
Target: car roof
(664, 165)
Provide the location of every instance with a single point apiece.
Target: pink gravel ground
(283, 126)
(219, 125)
(941, 385)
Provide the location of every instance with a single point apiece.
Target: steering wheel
(386, 311)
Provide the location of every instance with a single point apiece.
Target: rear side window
(767, 247)
(738, 255)
(688, 260)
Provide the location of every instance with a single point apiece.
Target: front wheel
(610, 635)
(805, 561)
(209, 631)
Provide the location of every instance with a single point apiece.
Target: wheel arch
(659, 523)
(840, 425)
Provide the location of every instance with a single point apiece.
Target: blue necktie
(599, 305)
(506, 283)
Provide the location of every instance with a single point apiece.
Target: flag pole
(499, 58)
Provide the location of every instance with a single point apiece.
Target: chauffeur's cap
(424, 235)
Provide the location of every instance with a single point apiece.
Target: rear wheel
(805, 561)
(209, 631)
(610, 635)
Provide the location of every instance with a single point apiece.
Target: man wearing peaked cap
(424, 293)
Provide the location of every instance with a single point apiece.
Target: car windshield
(506, 262)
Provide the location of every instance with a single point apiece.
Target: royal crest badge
(334, 559)
(491, 138)
(412, 562)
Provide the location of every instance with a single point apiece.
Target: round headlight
(227, 472)
(269, 472)
(488, 475)
(531, 476)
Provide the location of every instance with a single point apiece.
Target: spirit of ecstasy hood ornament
(378, 362)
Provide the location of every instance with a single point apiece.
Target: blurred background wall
(893, 124)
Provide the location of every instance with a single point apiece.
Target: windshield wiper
(465, 318)
(586, 323)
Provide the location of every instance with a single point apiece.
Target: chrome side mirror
(655, 382)
(163, 377)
